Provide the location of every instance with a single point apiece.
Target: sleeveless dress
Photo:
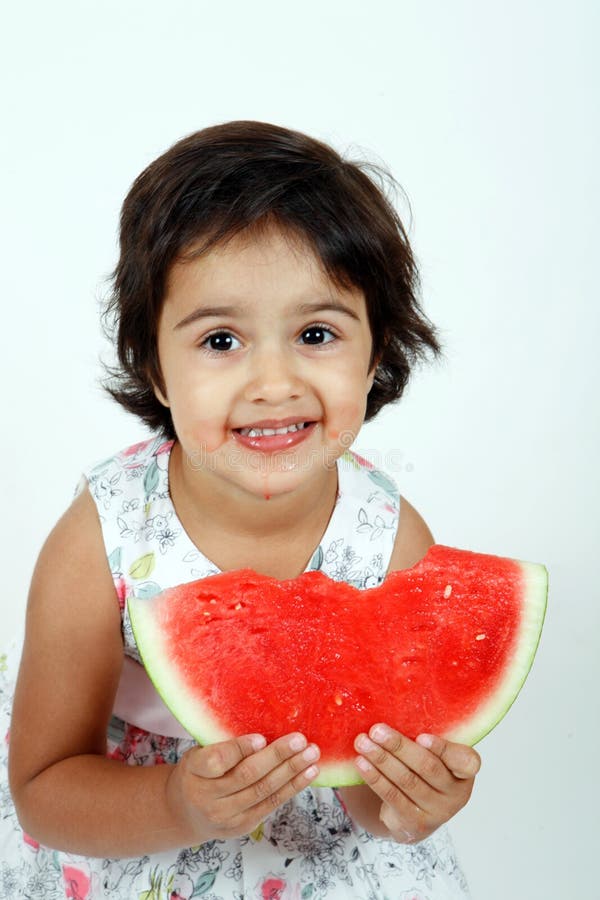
(308, 849)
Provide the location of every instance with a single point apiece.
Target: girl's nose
(273, 376)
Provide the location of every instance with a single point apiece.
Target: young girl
(265, 307)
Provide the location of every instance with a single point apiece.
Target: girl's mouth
(264, 439)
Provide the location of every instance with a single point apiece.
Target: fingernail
(363, 764)
(473, 765)
(298, 742)
(425, 740)
(363, 743)
(311, 772)
(311, 752)
(258, 741)
(379, 732)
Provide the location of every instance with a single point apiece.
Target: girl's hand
(422, 783)
(227, 789)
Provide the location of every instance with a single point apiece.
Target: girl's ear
(371, 375)
(160, 396)
(158, 389)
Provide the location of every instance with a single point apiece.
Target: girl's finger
(426, 765)
(252, 802)
(391, 778)
(215, 760)
(461, 760)
(404, 817)
(263, 775)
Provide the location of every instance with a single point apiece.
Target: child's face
(268, 360)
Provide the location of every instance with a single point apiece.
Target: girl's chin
(233, 455)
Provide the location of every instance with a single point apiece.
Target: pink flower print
(273, 888)
(131, 451)
(183, 888)
(31, 842)
(161, 457)
(116, 753)
(121, 589)
(77, 883)
(364, 462)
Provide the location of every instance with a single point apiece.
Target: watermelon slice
(442, 648)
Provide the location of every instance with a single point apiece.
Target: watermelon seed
(480, 637)
(213, 600)
(447, 591)
(338, 700)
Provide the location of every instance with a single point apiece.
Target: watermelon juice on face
(255, 336)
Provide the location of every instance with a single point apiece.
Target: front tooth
(264, 432)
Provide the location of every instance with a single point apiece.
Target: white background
(487, 115)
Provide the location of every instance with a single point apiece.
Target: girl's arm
(67, 794)
(399, 771)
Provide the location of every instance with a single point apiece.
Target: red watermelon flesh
(442, 648)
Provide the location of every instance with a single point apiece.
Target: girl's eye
(220, 342)
(318, 330)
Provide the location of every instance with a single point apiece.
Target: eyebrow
(204, 312)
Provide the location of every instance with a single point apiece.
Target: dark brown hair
(216, 182)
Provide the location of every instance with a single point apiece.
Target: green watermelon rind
(166, 679)
(535, 598)
(198, 718)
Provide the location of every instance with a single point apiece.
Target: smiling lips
(256, 430)
(279, 436)
(275, 424)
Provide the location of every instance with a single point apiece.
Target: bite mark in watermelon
(443, 648)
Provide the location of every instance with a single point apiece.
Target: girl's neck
(214, 512)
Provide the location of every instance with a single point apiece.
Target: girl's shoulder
(72, 561)
(413, 538)
(135, 474)
(128, 463)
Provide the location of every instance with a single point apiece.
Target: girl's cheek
(209, 435)
(199, 437)
(347, 413)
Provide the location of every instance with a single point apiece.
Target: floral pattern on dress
(309, 848)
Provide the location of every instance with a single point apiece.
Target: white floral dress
(308, 849)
